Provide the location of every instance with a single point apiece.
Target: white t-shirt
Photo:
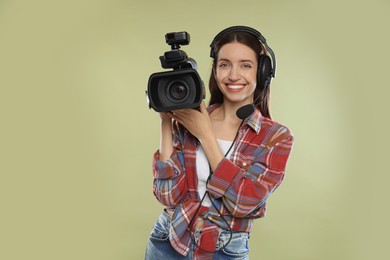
(203, 168)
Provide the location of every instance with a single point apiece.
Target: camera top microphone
(175, 39)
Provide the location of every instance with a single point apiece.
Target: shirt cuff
(222, 177)
(165, 170)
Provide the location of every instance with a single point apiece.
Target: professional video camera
(180, 88)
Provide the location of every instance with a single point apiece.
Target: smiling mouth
(235, 87)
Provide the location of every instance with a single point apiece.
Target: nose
(234, 73)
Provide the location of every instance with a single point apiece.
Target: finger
(203, 108)
(185, 113)
(176, 118)
(179, 116)
(170, 114)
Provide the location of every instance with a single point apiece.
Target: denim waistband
(224, 235)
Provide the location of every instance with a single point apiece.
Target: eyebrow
(247, 60)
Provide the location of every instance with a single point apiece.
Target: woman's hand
(164, 116)
(199, 125)
(197, 122)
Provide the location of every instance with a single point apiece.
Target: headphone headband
(249, 30)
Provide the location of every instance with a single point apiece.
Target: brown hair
(262, 93)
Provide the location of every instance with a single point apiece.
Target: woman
(217, 166)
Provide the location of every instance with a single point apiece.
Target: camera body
(179, 88)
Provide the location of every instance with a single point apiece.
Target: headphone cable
(212, 203)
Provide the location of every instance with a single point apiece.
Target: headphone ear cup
(264, 72)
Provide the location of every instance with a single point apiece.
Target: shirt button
(244, 164)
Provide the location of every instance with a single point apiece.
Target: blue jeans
(159, 246)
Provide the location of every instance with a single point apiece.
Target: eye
(223, 65)
(247, 65)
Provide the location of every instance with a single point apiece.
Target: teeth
(236, 86)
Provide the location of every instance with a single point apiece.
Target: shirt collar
(254, 120)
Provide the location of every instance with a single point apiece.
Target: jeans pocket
(238, 247)
(161, 228)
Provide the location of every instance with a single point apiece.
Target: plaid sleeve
(244, 191)
(166, 170)
(170, 184)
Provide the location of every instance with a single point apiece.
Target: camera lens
(177, 91)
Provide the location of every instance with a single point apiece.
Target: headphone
(267, 65)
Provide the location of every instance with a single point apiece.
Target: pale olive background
(77, 137)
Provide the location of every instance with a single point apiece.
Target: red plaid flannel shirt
(239, 186)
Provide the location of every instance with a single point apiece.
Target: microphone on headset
(245, 111)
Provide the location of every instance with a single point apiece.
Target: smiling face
(236, 73)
